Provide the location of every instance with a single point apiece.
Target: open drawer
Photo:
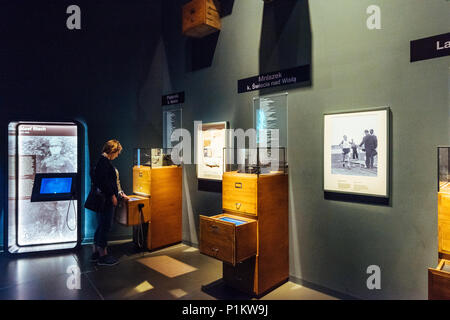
(439, 281)
(127, 212)
(227, 237)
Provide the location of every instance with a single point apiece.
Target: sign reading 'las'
(429, 48)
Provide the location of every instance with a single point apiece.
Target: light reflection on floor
(167, 266)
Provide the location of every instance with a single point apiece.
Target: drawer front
(142, 180)
(217, 239)
(439, 282)
(127, 213)
(226, 241)
(444, 206)
(239, 194)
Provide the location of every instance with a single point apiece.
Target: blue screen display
(235, 221)
(56, 185)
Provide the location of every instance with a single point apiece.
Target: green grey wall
(331, 243)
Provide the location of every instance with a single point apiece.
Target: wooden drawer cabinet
(166, 207)
(142, 180)
(228, 241)
(444, 222)
(127, 212)
(439, 281)
(163, 209)
(255, 254)
(241, 276)
(239, 192)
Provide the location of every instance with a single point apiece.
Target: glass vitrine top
(255, 160)
(153, 157)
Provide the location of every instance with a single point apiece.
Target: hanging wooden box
(200, 18)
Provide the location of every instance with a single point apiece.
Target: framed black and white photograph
(356, 152)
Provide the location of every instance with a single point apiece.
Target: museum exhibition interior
(254, 149)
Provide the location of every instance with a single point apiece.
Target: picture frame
(356, 162)
(211, 139)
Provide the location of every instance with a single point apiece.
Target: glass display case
(153, 157)
(255, 160)
(142, 157)
(142, 171)
(162, 157)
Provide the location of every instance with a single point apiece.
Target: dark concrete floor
(176, 272)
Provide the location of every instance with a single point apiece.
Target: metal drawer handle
(215, 250)
(213, 226)
(238, 205)
(238, 185)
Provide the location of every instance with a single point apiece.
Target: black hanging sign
(275, 79)
(174, 98)
(430, 48)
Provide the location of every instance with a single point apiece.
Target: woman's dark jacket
(105, 178)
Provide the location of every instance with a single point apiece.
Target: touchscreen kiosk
(44, 189)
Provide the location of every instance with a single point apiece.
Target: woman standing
(105, 179)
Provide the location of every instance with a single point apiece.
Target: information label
(430, 48)
(174, 98)
(275, 79)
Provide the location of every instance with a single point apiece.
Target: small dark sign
(174, 98)
(430, 48)
(275, 79)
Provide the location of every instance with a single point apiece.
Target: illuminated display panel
(56, 185)
(41, 148)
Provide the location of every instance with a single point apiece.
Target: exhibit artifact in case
(439, 277)
(155, 208)
(250, 236)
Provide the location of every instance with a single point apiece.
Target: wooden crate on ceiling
(200, 18)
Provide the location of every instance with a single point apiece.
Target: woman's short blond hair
(112, 146)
